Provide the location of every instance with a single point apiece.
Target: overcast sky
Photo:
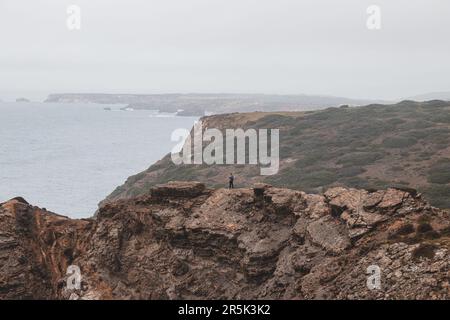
(254, 46)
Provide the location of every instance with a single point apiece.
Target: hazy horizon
(41, 97)
(320, 47)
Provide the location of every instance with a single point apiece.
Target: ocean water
(68, 157)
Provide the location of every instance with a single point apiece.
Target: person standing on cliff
(231, 181)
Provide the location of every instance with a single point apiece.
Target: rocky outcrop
(184, 241)
(36, 247)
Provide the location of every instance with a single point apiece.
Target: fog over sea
(68, 157)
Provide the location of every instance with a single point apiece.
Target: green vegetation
(399, 142)
(310, 180)
(440, 172)
(359, 158)
(438, 195)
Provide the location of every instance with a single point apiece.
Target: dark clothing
(231, 182)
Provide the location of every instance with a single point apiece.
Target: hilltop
(443, 95)
(372, 147)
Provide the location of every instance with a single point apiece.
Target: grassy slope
(406, 144)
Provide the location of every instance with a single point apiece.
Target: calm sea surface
(68, 157)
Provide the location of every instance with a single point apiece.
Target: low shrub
(399, 142)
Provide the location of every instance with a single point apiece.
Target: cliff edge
(185, 241)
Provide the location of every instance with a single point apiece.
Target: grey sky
(254, 46)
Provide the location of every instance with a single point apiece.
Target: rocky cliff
(184, 241)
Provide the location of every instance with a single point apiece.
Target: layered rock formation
(184, 241)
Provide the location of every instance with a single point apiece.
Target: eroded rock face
(183, 241)
(330, 234)
(36, 247)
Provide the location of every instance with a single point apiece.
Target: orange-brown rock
(184, 241)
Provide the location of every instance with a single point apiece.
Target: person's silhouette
(231, 181)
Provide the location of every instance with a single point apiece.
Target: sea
(67, 157)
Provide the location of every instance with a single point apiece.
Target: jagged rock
(346, 199)
(330, 234)
(259, 189)
(18, 199)
(362, 210)
(178, 189)
(183, 241)
(316, 206)
(285, 201)
(299, 228)
(392, 198)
